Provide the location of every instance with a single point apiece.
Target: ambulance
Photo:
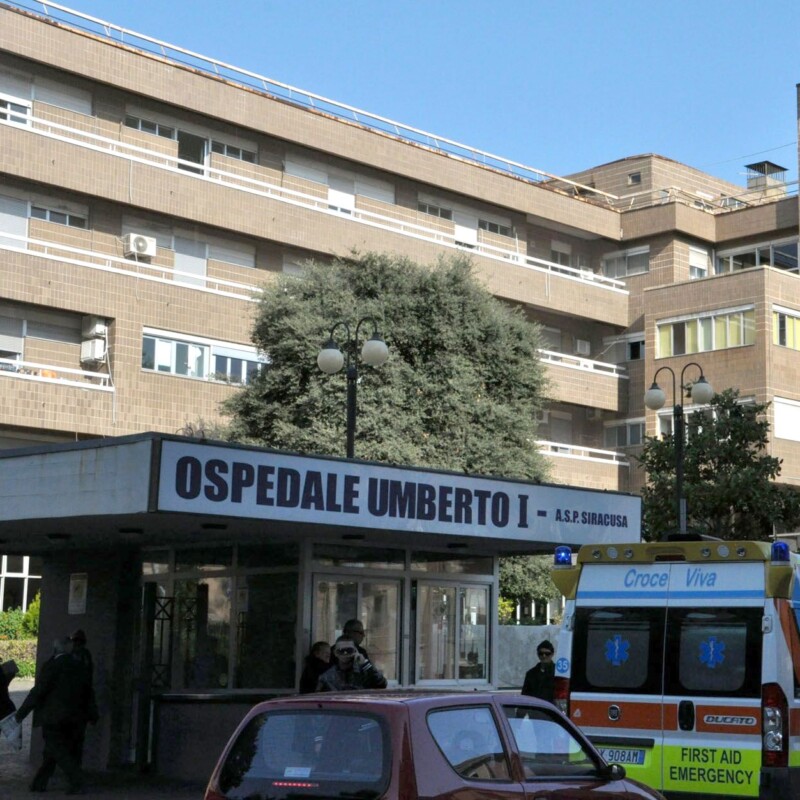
(681, 661)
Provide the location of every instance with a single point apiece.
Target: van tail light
(212, 794)
(775, 726)
(561, 695)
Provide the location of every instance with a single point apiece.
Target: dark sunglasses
(345, 651)
(545, 653)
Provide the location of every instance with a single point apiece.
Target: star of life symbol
(617, 650)
(712, 652)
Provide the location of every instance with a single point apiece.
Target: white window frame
(706, 315)
(723, 259)
(622, 259)
(629, 425)
(699, 261)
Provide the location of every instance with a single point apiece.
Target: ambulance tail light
(775, 726)
(561, 695)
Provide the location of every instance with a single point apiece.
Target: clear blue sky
(559, 85)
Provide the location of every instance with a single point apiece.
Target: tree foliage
(460, 390)
(729, 478)
(527, 578)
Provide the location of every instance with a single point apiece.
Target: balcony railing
(141, 270)
(49, 373)
(274, 191)
(566, 450)
(578, 362)
(300, 97)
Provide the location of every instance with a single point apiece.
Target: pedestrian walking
(59, 700)
(317, 661)
(82, 654)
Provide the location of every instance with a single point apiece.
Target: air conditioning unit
(583, 347)
(93, 327)
(543, 417)
(93, 350)
(594, 414)
(134, 244)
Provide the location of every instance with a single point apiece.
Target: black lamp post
(331, 359)
(700, 392)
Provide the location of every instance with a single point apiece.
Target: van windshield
(313, 754)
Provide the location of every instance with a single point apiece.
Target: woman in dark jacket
(317, 661)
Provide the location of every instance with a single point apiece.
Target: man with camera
(351, 670)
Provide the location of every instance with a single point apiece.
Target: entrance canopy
(155, 487)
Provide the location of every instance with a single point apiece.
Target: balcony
(585, 382)
(48, 396)
(509, 271)
(587, 467)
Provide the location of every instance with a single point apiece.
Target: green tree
(30, 620)
(460, 390)
(524, 579)
(729, 478)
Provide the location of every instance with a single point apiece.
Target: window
(618, 649)
(452, 632)
(781, 254)
(628, 262)
(698, 262)
(58, 217)
(233, 152)
(717, 651)
(546, 747)
(200, 358)
(561, 253)
(148, 126)
(469, 740)
(787, 419)
(635, 350)
(626, 434)
(435, 211)
(339, 754)
(786, 328)
(14, 111)
(635, 179)
(495, 227)
(717, 331)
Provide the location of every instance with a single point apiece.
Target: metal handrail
(296, 96)
(135, 153)
(567, 450)
(49, 373)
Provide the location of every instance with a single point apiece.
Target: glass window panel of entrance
(452, 633)
(375, 603)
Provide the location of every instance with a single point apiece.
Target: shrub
(30, 621)
(11, 626)
(23, 651)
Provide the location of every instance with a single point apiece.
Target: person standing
(541, 678)
(82, 654)
(317, 662)
(354, 630)
(8, 671)
(58, 699)
(351, 670)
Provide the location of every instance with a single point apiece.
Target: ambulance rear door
(616, 677)
(712, 679)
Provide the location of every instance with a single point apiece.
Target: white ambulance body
(681, 660)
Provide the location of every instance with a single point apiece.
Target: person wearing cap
(81, 653)
(351, 670)
(540, 679)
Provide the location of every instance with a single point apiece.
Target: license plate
(622, 755)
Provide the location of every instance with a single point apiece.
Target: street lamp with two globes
(331, 359)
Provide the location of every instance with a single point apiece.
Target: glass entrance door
(375, 602)
(452, 633)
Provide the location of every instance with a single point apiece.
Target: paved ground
(16, 773)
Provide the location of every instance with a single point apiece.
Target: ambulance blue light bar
(563, 556)
(780, 552)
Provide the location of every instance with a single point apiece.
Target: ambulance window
(618, 649)
(714, 651)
